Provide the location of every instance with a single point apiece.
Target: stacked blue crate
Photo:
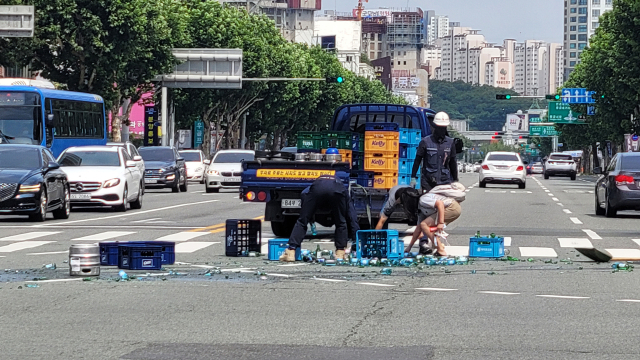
(409, 141)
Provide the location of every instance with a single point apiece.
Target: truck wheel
(283, 229)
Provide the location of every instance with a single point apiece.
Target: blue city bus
(56, 119)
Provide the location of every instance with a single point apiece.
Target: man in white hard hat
(437, 155)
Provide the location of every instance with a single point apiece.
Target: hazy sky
(498, 19)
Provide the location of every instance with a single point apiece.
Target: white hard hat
(441, 119)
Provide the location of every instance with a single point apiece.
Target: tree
(113, 48)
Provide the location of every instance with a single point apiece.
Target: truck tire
(283, 229)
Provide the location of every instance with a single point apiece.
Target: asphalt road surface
(549, 304)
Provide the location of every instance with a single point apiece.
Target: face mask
(439, 132)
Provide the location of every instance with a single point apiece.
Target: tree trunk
(116, 124)
(594, 153)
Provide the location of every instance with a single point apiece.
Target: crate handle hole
(484, 242)
(86, 270)
(146, 253)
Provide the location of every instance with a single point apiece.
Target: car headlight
(213, 172)
(29, 188)
(111, 183)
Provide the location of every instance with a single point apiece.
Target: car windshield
(151, 154)
(191, 156)
(90, 158)
(560, 157)
(23, 159)
(502, 157)
(20, 118)
(630, 163)
(230, 157)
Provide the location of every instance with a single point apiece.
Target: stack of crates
(381, 150)
(309, 141)
(409, 141)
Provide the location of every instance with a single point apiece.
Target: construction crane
(360, 9)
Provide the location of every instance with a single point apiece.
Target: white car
(559, 164)
(225, 170)
(196, 164)
(503, 168)
(133, 153)
(102, 176)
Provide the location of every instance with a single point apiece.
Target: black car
(31, 183)
(618, 187)
(164, 168)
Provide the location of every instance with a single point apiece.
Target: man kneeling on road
(437, 208)
(400, 196)
(327, 193)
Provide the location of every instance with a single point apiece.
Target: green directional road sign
(543, 131)
(561, 113)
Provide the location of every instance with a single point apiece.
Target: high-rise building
(536, 68)
(437, 27)
(580, 22)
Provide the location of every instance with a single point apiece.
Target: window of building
(582, 19)
(328, 42)
(582, 37)
(572, 36)
(582, 10)
(572, 54)
(595, 13)
(596, 2)
(405, 63)
(372, 56)
(583, 2)
(573, 2)
(608, 2)
(582, 28)
(572, 19)
(572, 63)
(398, 62)
(405, 53)
(572, 28)
(349, 58)
(373, 46)
(573, 10)
(595, 25)
(572, 46)
(582, 46)
(379, 37)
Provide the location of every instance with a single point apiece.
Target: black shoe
(425, 250)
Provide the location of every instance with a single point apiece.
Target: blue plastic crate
(408, 151)
(485, 247)
(405, 136)
(357, 162)
(355, 142)
(379, 243)
(381, 127)
(109, 253)
(416, 136)
(168, 255)
(139, 257)
(364, 178)
(242, 237)
(277, 248)
(405, 167)
(404, 180)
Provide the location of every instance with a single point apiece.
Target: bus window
(20, 118)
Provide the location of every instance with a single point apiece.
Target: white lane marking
(496, 191)
(22, 245)
(537, 252)
(197, 192)
(575, 243)
(205, 266)
(182, 236)
(467, 190)
(507, 241)
(29, 235)
(280, 275)
(575, 220)
(189, 247)
(563, 297)
(53, 280)
(135, 213)
(560, 204)
(457, 250)
(375, 284)
(547, 191)
(567, 211)
(181, 263)
(104, 236)
(436, 289)
(407, 239)
(624, 254)
(592, 234)
(240, 270)
(637, 241)
(50, 253)
(291, 265)
(323, 241)
(498, 293)
(629, 300)
(329, 280)
(550, 194)
(555, 199)
(145, 220)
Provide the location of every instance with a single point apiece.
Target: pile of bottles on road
(327, 258)
(621, 266)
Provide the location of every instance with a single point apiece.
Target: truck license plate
(80, 196)
(291, 203)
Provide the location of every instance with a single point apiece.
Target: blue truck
(278, 181)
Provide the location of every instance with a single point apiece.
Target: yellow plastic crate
(381, 140)
(347, 155)
(380, 161)
(385, 180)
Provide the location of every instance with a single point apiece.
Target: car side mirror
(49, 121)
(598, 171)
(180, 159)
(53, 165)
(207, 162)
(137, 158)
(130, 164)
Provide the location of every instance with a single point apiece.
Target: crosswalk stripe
(182, 236)
(575, 243)
(29, 236)
(637, 241)
(189, 247)
(104, 236)
(624, 254)
(575, 220)
(457, 250)
(507, 241)
(537, 252)
(22, 245)
(592, 234)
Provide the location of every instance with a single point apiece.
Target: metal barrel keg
(84, 260)
(333, 157)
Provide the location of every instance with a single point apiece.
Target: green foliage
(478, 104)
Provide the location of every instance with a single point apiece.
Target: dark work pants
(324, 195)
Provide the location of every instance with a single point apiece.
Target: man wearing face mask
(437, 155)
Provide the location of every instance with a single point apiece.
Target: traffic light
(595, 96)
(555, 97)
(497, 135)
(503, 97)
(335, 80)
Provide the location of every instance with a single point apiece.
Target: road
(556, 306)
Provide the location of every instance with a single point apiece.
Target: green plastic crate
(309, 140)
(337, 139)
